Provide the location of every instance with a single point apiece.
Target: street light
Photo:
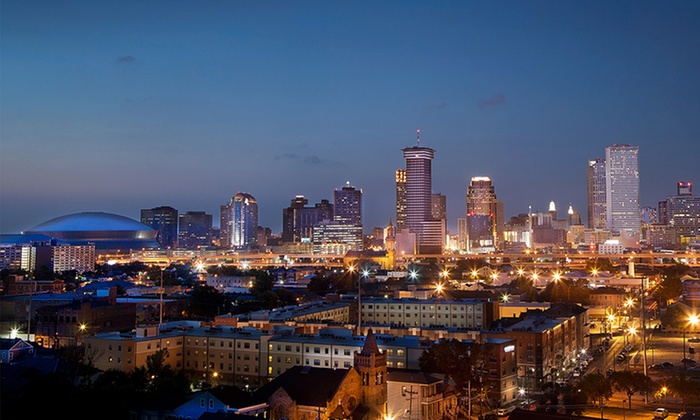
(692, 321)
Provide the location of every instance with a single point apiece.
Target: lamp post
(692, 321)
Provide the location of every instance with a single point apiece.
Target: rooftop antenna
(418, 137)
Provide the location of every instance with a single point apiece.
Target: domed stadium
(109, 232)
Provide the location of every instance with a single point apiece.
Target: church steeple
(370, 363)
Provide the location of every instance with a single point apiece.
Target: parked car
(621, 357)
(688, 361)
(694, 340)
(667, 364)
(660, 413)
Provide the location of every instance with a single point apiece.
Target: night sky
(116, 106)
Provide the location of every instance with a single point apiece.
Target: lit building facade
(400, 199)
(683, 212)
(347, 205)
(430, 233)
(622, 192)
(485, 224)
(335, 237)
(163, 219)
(298, 220)
(195, 230)
(596, 196)
(244, 215)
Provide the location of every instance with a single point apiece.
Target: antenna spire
(418, 137)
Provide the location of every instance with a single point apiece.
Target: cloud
(496, 100)
(128, 59)
(311, 160)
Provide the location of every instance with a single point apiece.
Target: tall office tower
(462, 233)
(298, 221)
(622, 193)
(430, 233)
(648, 214)
(164, 219)
(683, 212)
(572, 217)
(244, 220)
(438, 207)
(400, 199)
(484, 215)
(595, 176)
(662, 214)
(195, 230)
(347, 205)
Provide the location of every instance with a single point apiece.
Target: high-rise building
(595, 176)
(347, 205)
(400, 199)
(439, 207)
(622, 193)
(195, 230)
(164, 219)
(298, 221)
(683, 212)
(430, 233)
(484, 215)
(243, 219)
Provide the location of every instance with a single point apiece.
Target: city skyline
(127, 106)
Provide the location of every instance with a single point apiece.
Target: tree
(206, 301)
(319, 284)
(630, 383)
(459, 361)
(574, 399)
(596, 387)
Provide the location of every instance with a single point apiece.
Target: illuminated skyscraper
(683, 213)
(164, 219)
(245, 220)
(400, 199)
(347, 205)
(430, 233)
(595, 176)
(484, 215)
(622, 192)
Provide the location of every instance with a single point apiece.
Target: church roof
(370, 346)
(305, 385)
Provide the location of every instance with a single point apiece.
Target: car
(656, 367)
(621, 357)
(667, 364)
(688, 361)
(576, 374)
(694, 340)
(628, 347)
(660, 413)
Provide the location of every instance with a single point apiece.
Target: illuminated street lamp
(505, 298)
(521, 272)
(692, 321)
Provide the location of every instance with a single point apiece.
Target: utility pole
(644, 343)
(410, 393)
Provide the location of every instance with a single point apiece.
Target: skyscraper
(347, 205)
(430, 233)
(683, 213)
(400, 199)
(484, 215)
(622, 193)
(298, 221)
(244, 218)
(164, 219)
(595, 176)
(195, 230)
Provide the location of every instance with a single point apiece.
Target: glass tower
(622, 189)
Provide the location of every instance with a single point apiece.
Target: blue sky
(116, 106)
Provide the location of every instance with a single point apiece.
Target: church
(308, 393)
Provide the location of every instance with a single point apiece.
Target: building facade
(195, 230)
(596, 195)
(164, 219)
(622, 193)
(430, 233)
